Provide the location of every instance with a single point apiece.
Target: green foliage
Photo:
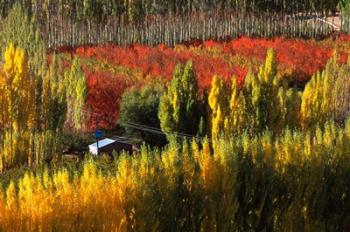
(180, 106)
(22, 31)
(136, 9)
(141, 107)
(54, 105)
(35, 100)
(344, 6)
(19, 29)
(76, 94)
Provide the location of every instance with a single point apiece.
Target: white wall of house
(101, 143)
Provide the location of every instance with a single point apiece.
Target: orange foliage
(298, 59)
(104, 94)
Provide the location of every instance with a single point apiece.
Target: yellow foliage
(17, 107)
(182, 187)
(218, 103)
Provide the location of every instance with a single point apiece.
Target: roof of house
(103, 143)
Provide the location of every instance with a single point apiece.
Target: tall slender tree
(76, 93)
(18, 102)
(179, 109)
(218, 103)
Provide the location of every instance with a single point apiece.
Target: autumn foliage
(111, 69)
(294, 182)
(257, 130)
(104, 94)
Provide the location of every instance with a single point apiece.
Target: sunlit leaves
(245, 182)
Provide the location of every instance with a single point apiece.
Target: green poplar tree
(76, 93)
(179, 108)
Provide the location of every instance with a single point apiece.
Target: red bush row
(300, 58)
(161, 61)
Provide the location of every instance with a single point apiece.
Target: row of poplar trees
(39, 99)
(264, 101)
(136, 10)
(297, 181)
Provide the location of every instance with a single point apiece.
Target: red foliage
(344, 37)
(297, 58)
(104, 94)
(211, 43)
(161, 61)
(105, 89)
(303, 58)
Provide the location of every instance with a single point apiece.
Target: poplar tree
(54, 109)
(179, 108)
(326, 96)
(191, 104)
(264, 102)
(76, 93)
(314, 109)
(269, 102)
(263, 91)
(218, 103)
(54, 98)
(169, 106)
(22, 31)
(18, 104)
(238, 120)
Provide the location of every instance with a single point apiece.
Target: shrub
(140, 106)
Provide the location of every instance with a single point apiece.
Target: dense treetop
(136, 9)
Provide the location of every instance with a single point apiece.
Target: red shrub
(297, 58)
(104, 94)
(161, 61)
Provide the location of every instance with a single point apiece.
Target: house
(108, 146)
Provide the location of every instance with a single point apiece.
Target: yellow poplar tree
(326, 95)
(218, 103)
(237, 122)
(18, 103)
(317, 100)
